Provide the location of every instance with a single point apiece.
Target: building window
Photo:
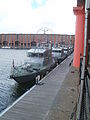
(0, 44)
(17, 43)
(21, 44)
(9, 44)
(5, 43)
(12, 44)
(28, 44)
(24, 44)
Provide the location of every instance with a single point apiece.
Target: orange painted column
(79, 35)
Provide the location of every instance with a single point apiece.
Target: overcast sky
(28, 16)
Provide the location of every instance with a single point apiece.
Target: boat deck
(36, 103)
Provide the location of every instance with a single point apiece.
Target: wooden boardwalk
(36, 103)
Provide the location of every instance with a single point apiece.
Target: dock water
(40, 103)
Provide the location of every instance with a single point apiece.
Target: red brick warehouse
(28, 40)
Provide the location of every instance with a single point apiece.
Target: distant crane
(44, 30)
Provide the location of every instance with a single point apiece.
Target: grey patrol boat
(39, 61)
(58, 54)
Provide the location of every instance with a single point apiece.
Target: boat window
(56, 54)
(36, 54)
(36, 65)
(56, 51)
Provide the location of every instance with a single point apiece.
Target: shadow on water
(25, 86)
(19, 89)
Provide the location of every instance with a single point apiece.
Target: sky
(31, 16)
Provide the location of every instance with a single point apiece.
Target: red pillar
(79, 35)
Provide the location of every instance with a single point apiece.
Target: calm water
(9, 89)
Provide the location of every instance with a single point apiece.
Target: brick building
(28, 40)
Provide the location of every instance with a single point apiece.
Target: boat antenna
(13, 63)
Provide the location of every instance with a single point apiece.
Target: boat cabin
(39, 55)
(57, 51)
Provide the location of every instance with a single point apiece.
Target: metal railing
(83, 106)
(81, 110)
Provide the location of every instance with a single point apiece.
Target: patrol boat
(58, 54)
(39, 61)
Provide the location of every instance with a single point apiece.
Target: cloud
(20, 16)
(37, 3)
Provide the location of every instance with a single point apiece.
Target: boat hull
(31, 78)
(25, 79)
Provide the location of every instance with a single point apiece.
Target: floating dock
(36, 103)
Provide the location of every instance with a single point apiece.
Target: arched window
(5, 43)
(33, 43)
(17, 43)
